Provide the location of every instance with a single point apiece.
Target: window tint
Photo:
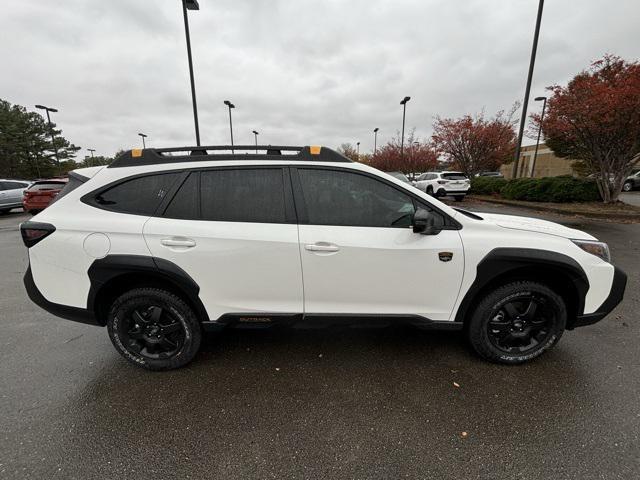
(140, 195)
(243, 195)
(342, 198)
(185, 203)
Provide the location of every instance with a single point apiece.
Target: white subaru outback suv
(442, 184)
(164, 244)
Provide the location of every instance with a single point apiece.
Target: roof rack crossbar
(153, 156)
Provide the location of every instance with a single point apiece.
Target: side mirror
(426, 222)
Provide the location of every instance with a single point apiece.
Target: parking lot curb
(632, 216)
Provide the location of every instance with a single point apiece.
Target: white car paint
(438, 183)
(296, 268)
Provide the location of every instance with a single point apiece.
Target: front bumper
(615, 297)
(76, 314)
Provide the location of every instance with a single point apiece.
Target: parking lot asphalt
(338, 403)
(632, 198)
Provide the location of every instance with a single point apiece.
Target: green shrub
(551, 189)
(487, 185)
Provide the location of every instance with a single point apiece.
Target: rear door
(360, 255)
(233, 231)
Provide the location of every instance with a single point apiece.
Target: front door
(360, 255)
(237, 239)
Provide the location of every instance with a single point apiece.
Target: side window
(3, 186)
(185, 204)
(243, 195)
(139, 196)
(334, 197)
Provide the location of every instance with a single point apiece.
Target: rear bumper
(444, 191)
(615, 297)
(81, 315)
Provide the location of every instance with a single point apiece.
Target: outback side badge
(445, 256)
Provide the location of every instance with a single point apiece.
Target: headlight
(599, 249)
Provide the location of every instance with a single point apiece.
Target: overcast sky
(299, 71)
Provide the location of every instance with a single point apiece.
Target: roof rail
(153, 156)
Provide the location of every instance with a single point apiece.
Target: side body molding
(507, 262)
(106, 269)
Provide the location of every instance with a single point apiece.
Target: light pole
(535, 153)
(358, 150)
(191, 5)
(523, 118)
(255, 135)
(53, 143)
(143, 137)
(91, 150)
(403, 102)
(230, 105)
(375, 140)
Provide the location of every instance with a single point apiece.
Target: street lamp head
(539, 99)
(405, 100)
(229, 104)
(358, 143)
(142, 135)
(191, 4)
(42, 107)
(255, 132)
(375, 130)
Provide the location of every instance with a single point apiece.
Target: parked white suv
(442, 184)
(166, 243)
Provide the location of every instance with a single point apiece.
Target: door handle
(322, 247)
(178, 242)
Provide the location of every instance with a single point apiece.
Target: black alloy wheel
(154, 329)
(517, 322)
(521, 324)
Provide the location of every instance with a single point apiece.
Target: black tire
(430, 190)
(459, 198)
(502, 330)
(154, 329)
(4, 212)
(627, 187)
(441, 193)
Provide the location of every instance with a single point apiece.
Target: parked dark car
(489, 174)
(632, 182)
(41, 193)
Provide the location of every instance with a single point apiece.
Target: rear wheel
(154, 329)
(627, 187)
(517, 322)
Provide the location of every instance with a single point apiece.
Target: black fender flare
(102, 271)
(501, 262)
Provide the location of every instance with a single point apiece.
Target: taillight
(33, 232)
(442, 182)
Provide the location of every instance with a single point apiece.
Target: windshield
(399, 176)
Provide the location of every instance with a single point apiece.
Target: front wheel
(517, 322)
(154, 329)
(627, 187)
(429, 190)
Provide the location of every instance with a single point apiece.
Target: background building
(547, 164)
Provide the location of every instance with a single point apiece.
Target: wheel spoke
(138, 318)
(156, 313)
(172, 327)
(168, 344)
(511, 310)
(530, 313)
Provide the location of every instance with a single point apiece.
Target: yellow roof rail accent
(315, 149)
(136, 152)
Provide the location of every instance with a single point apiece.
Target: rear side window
(141, 195)
(243, 195)
(335, 197)
(186, 204)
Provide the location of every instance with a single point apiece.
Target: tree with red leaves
(596, 119)
(476, 144)
(418, 156)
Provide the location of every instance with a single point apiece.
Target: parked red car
(41, 193)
